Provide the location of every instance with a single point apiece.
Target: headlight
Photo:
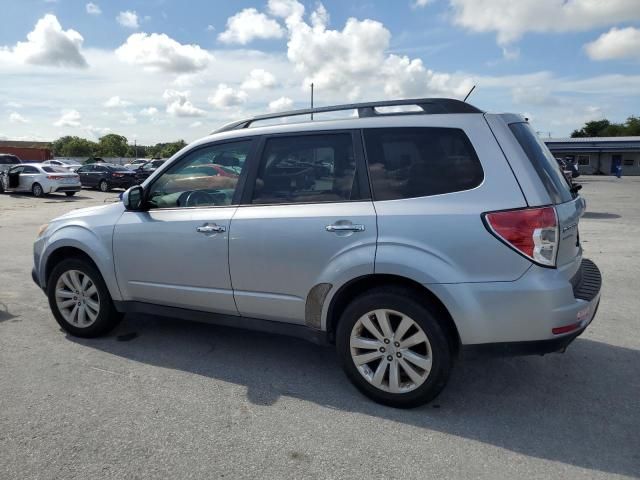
(42, 229)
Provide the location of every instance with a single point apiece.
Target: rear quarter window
(543, 162)
(419, 162)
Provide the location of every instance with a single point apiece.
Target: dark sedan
(143, 172)
(106, 176)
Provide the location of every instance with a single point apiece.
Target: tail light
(117, 175)
(54, 177)
(532, 232)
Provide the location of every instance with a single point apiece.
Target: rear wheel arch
(363, 284)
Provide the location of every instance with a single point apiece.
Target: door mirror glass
(132, 198)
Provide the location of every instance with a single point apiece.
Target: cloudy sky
(160, 70)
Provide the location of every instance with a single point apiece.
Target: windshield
(68, 162)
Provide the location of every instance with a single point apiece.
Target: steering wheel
(195, 198)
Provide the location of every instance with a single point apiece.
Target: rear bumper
(66, 188)
(122, 182)
(543, 311)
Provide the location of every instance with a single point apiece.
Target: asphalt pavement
(162, 398)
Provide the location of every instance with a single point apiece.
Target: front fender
(96, 243)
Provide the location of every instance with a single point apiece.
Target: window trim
(358, 151)
(588, 164)
(467, 140)
(241, 179)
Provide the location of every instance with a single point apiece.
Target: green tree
(592, 129)
(113, 145)
(171, 148)
(69, 146)
(605, 128)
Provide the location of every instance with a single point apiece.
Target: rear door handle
(211, 228)
(345, 228)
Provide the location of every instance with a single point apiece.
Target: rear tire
(37, 190)
(103, 186)
(80, 300)
(69, 194)
(386, 365)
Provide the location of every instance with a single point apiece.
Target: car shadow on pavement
(49, 197)
(581, 408)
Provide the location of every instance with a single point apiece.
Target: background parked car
(138, 162)
(106, 176)
(143, 172)
(39, 180)
(7, 161)
(70, 165)
(91, 160)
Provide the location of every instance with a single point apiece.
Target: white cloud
(15, 117)
(69, 118)
(249, 24)
(616, 43)
(420, 3)
(512, 19)
(281, 104)
(13, 105)
(47, 44)
(345, 60)
(258, 79)
(179, 105)
(159, 52)
(210, 28)
(93, 9)
(96, 132)
(116, 102)
(195, 124)
(128, 119)
(286, 8)
(226, 97)
(128, 19)
(149, 111)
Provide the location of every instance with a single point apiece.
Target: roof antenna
(472, 89)
(311, 100)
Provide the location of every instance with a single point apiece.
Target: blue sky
(160, 70)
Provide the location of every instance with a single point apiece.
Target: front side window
(418, 162)
(197, 180)
(307, 169)
(29, 169)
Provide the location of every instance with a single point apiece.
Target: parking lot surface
(161, 398)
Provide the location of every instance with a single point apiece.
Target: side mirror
(133, 197)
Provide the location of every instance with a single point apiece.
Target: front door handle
(348, 227)
(211, 228)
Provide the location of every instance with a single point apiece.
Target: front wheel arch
(64, 253)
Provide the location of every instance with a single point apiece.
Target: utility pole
(135, 148)
(311, 99)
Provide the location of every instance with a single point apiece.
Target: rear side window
(543, 162)
(418, 162)
(307, 169)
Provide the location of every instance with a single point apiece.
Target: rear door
(306, 221)
(569, 205)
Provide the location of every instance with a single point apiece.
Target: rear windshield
(543, 162)
(118, 168)
(8, 160)
(49, 169)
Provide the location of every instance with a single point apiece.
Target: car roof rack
(367, 109)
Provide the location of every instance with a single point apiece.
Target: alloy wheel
(77, 298)
(391, 351)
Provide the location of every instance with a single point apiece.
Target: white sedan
(39, 180)
(70, 165)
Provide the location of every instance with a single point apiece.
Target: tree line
(112, 145)
(605, 128)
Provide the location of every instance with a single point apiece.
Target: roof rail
(367, 109)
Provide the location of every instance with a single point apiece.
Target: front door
(14, 177)
(306, 220)
(176, 253)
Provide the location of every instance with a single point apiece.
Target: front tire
(103, 186)
(392, 347)
(80, 300)
(37, 190)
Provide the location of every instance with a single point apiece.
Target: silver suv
(405, 238)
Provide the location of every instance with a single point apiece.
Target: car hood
(112, 209)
